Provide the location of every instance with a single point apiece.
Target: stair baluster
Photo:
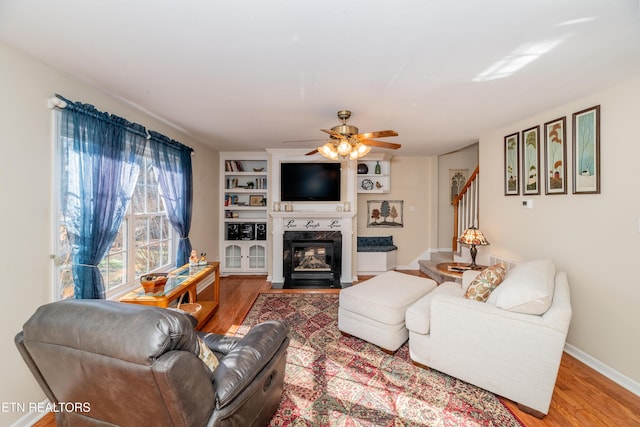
(465, 207)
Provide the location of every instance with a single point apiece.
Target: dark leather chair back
(129, 365)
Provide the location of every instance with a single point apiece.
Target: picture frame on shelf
(586, 151)
(531, 160)
(256, 200)
(555, 156)
(512, 164)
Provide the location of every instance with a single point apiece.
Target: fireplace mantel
(312, 221)
(312, 214)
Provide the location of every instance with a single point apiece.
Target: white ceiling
(249, 74)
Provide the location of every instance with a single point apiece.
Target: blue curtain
(100, 152)
(172, 164)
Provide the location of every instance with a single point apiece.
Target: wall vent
(494, 259)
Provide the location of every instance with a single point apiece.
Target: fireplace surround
(313, 228)
(312, 259)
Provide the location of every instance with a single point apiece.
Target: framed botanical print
(384, 213)
(512, 164)
(586, 151)
(531, 160)
(555, 156)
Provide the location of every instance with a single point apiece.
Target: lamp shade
(473, 236)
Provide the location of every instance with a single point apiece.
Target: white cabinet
(374, 174)
(243, 230)
(244, 257)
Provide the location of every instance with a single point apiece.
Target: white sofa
(510, 345)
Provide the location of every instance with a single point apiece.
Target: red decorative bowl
(153, 283)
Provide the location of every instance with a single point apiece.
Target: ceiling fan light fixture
(360, 150)
(344, 147)
(347, 143)
(328, 150)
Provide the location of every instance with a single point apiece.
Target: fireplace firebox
(312, 259)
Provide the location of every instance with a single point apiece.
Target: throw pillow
(207, 356)
(489, 279)
(528, 288)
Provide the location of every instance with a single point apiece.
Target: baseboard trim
(31, 417)
(595, 364)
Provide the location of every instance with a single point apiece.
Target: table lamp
(473, 237)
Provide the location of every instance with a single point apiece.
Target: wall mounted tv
(310, 182)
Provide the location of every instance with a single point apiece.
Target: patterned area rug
(332, 380)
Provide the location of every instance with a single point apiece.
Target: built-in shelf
(371, 182)
(243, 230)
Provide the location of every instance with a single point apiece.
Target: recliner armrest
(247, 358)
(219, 343)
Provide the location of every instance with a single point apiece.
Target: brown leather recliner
(108, 363)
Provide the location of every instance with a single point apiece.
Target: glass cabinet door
(257, 257)
(233, 256)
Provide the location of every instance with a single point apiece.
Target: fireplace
(312, 226)
(312, 259)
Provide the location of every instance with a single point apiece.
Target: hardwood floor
(582, 397)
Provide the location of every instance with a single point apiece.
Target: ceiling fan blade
(304, 140)
(333, 133)
(383, 144)
(312, 152)
(378, 134)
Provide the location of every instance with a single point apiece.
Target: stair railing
(465, 207)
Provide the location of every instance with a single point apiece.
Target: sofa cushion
(377, 248)
(375, 244)
(528, 288)
(485, 282)
(375, 240)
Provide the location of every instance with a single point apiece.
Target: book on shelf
(233, 166)
(261, 183)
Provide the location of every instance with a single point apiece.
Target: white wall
(594, 237)
(415, 181)
(26, 190)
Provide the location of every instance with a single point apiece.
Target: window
(145, 241)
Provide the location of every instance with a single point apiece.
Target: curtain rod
(55, 102)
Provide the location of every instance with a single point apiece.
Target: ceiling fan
(345, 141)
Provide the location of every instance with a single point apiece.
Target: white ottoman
(374, 310)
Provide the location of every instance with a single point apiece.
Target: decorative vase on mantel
(377, 168)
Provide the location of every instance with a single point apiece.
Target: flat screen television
(310, 182)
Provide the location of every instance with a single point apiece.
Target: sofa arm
(247, 358)
(559, 314)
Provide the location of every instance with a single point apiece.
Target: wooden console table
(181, 282)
